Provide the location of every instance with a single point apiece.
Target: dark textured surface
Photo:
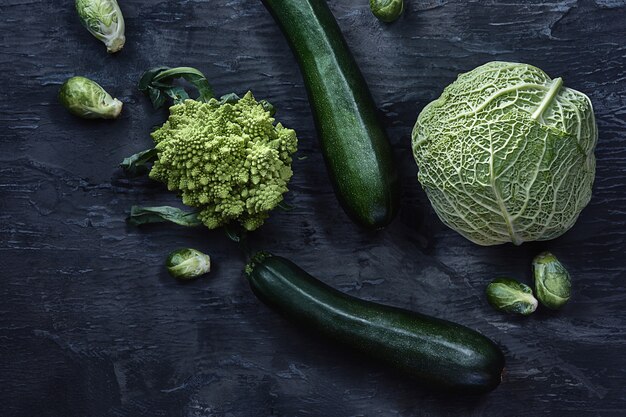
(92, 325)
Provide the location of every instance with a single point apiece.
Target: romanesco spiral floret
(228, 160)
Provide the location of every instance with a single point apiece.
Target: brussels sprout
(85, 98)
(188, 263)
(552, 281)
(387, 10)
(510, 296)
(104, 20)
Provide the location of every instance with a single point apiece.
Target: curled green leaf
(188, 263)
(387, 10)
(510, 296)
(137, 164)
(269, 107)
(230, 98)
(158, 84)
(239, 235)
(147, 215)
(285, 207)
(87, 99)
(233, 98)
(104, 20)
(235, 232)
(552, 281)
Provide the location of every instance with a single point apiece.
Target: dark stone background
(92, 325)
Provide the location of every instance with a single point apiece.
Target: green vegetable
(354, 144)
(227, 160)
(552, 281)
(226, 157)
(158, 84)
(506, 154)
(510, 296)
(188, 263)
(426, 348)
(104, 20)
(85, 98)
(387, 10)
(148, 215)
(137, 164)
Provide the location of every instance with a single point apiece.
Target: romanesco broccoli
(228, 160)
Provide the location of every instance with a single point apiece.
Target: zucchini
(429, 349)
(355, 147)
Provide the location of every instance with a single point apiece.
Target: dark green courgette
(356, 149)
(430, 349)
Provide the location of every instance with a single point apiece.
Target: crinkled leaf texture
(506, 154)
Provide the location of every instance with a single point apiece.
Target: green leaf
(231, 98)
(148, 76)
(269, 107)
(284, 206)
(234, 232)
(147, 215)
(136, 165)
(177, 94)
(156, 97)
(239, 235)
(157, 83)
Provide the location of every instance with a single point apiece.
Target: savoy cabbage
(506, 154)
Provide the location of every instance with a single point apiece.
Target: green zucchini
(355, 147)
(429, 349)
